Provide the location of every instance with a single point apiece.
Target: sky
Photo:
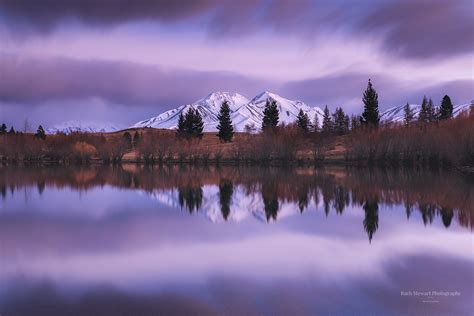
(122, 61)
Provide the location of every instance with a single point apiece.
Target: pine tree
(341, 122)
(431, 111)
(303, 122)
(225, 128)
(188, 122)
(11, 131)
(327, 123)
(370, 116)
(423, 115)
(408, 114)
(193, 124)
(446, 109)
(316, 127)
(181, 128)
(3, 129)
(197, 124)
(270, 115)
(40, 133)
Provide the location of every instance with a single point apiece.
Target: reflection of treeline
(443, 194)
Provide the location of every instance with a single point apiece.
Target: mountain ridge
(243, 111)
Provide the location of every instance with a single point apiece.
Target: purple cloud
(29, 80)
(411, 29)
(345, 89)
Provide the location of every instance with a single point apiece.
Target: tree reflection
(414, 191)
(447, 216)
(341, 199)
(270, 200)
(226, 189)
(371, 219)
(408, 209)
(303, 199)
(428, 212)
(190, 198)
(41, 186)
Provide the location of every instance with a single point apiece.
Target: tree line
(432, 138)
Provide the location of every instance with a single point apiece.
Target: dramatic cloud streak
(412, 29)
(37, 80)
(127, 61)
(29, 80)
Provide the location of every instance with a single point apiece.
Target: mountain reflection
(268, 190)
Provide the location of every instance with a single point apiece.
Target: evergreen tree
(3, 129)
(136, 138)
(408, 114)
(197, 124)
(191, 125)
(225, 128)
(341, 122)
(11, 131)
(327, 123)
(370, 116)
(303, 122)
(40, 133)
(423, 115)
(431, 111)
(446, 109)
(316, 127)
(270, 115)
(181, 128)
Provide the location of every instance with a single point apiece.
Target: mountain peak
(243, 111)
(215, 100)
(263, 96)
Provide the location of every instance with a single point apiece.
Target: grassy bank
(447, 143)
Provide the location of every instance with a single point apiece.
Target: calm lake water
(136, 240)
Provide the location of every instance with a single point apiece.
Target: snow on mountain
(82, 126)
(208, 107)
(396, 113)
(243, 111)
(243, 205)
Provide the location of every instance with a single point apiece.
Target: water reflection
(188, 240)
(226, 189)
(270, 189)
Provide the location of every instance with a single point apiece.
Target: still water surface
(188, 240)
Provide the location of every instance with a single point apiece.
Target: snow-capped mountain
(396, 113)
(243, 111)
(244, 205)
(82, 126)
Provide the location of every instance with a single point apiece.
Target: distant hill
(83, 126)
(396, 113)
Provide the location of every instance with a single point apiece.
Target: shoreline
(337, 162)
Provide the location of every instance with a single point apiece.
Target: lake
(138, 240)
